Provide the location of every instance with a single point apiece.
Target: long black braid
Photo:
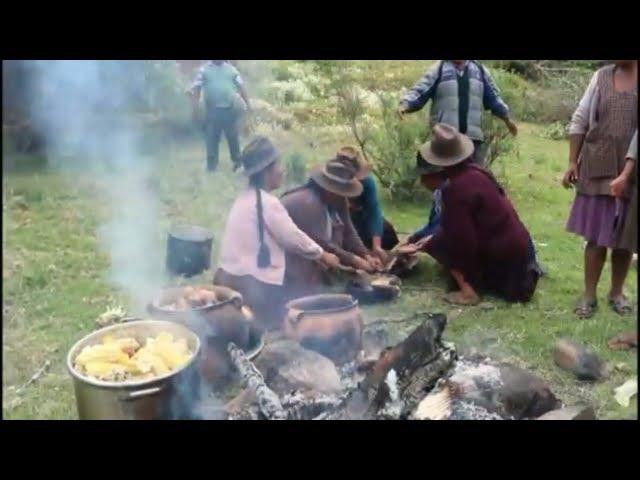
(264, 255)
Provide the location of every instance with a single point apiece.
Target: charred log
(418, 362)
(304, 407)
(268, 401)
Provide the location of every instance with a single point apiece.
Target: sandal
(456, 298)
(620, 305)
(585, 309)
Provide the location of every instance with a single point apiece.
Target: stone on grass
(575, 358)
(575, 412)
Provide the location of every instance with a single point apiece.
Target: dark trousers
(267, 301)
(389, 236)
(219, 121)
(479, 153)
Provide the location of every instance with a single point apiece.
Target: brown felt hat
(424, 168)
(352, 157)
(258, 155)
(447, 148)
(338, 178)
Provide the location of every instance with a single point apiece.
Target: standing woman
(629, 181)
(258, 233)
(601, 131)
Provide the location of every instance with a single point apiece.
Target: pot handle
(237, 300)
(295, 315)
(140, 393)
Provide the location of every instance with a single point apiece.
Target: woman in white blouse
(258, 233)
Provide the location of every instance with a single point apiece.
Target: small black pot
(368, 294)
(188, 250)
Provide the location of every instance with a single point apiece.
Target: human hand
(329, 260)
(407, 249)
(570, 176)
(375, 262)
(423, 242)
(362, 264)
(618, 185)
(402, 110)
(381, 254)
(513, 128)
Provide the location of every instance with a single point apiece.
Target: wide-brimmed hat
(352, 157)
(447, 148)
(258, 155)
(338, 178)
(424, 168)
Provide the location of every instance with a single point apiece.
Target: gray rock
(286, 366)
(502, 389)
(575, 358)
(523, 394)
(576, 412)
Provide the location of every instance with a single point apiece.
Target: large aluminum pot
(170, 396)
(328, 324)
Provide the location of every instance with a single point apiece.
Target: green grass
(55, 274)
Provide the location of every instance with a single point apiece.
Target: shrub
(392, 146)
(555, 131)
(295, 168)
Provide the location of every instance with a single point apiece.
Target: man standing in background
(221, 84)
(459, 90)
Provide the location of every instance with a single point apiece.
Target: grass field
(55, 274)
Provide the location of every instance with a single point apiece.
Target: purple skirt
(597, 218)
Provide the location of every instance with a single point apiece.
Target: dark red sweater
(479, 228)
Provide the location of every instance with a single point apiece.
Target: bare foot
(459, 298)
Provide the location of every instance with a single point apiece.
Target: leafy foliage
(555, 131)
(295, 168)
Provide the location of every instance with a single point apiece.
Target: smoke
(83, 108)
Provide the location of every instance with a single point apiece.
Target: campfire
(421, 378)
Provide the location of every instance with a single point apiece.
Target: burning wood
(435, 406)
(417, 362)
(268, 401)
(419, 378)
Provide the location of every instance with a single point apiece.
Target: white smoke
(84, 109)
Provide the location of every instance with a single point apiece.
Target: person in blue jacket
(374, 230)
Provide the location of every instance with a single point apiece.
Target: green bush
(555, 131)
(544, 91)
(392, 146)
(295, 169)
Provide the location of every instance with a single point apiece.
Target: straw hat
(447, 148)
(337, 178)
